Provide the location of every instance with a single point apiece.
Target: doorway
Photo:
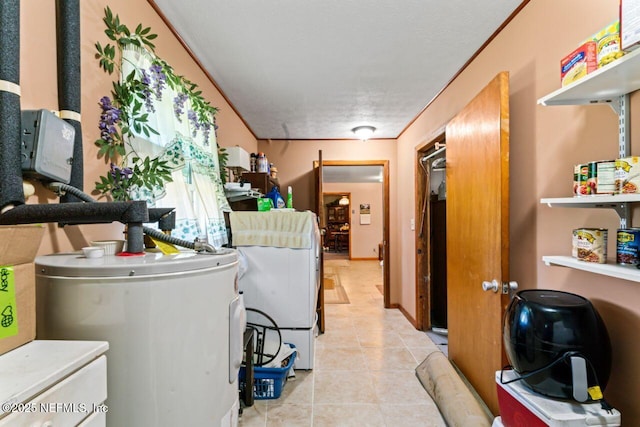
(431, 254)
(337, 236)
(363, 209)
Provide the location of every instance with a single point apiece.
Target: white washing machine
(174, 324)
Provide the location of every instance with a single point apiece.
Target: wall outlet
(413, 224)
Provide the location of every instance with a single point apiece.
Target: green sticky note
(8, 307)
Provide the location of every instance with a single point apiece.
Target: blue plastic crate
(267, 382)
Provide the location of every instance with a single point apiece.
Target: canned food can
(592, 177)
(627, 175)
(628, 246)
(583, 176)
(605, 177)
(590, 244)
(576, 174)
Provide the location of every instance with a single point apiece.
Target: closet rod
(435, 153)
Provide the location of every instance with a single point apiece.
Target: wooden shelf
(626, 272)
(604, 85)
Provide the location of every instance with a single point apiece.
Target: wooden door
(478, 234)
(323, 225)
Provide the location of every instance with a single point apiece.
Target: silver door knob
(491, 286)
(513, 286)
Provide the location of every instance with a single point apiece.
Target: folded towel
(272, 228)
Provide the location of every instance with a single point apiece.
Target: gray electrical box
(47, 146)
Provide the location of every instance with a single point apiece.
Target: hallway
(364, 365)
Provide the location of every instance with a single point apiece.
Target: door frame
(422, 243)
(386, 267)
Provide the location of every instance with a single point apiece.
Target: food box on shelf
(629, 25)
(579, 63)
(608, 44)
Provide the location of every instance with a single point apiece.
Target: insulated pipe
(157, 213)
(131, 213)
(69, 84)
(11, 193)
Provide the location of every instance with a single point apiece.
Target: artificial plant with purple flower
(125, 113)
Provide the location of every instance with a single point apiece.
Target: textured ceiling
(311, 69)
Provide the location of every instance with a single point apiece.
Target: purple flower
(159, 79)
(206, 130)
(109, 117)
(178, 105)
(146, 92)
(193, 118)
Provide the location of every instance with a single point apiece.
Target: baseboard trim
(407, 315)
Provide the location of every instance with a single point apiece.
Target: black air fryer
(544, 326)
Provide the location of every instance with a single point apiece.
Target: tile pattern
(364, 366)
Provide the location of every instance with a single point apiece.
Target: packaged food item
(629, 25)
(592, 176)
(590, 244)
(583, 187)
(628, 246)
(605, 177)
(608, 44)
(627, 175)
(579, 63)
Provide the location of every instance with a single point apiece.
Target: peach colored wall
(294, 160)
(39, 90)
(545, 144)
(364, 237)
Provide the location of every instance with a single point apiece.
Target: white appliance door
(282, 283)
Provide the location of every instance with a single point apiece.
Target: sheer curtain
(191, 150)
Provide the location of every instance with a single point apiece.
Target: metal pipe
(433, 154)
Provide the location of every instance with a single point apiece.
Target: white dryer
(283, 281)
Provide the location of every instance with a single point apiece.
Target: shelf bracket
(624, 213)
(621, 108)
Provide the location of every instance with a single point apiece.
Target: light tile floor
(365, 364)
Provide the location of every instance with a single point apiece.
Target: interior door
(478, 234)
(322, 224)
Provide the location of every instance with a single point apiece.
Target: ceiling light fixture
(364, 132)
(344, 201)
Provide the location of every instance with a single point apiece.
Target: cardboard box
(18, 248)
(629, 25)
(579, 63)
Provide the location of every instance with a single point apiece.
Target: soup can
(590, 244)
(628, 246)
(605, 177)
(627, 175)
(583, 187)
